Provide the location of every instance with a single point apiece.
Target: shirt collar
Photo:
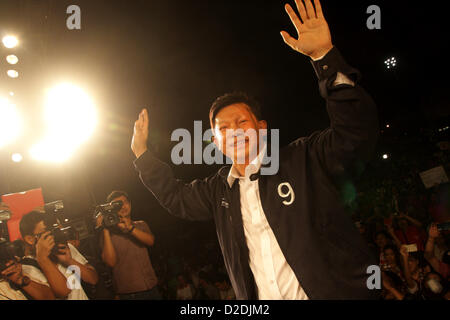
(252, 168)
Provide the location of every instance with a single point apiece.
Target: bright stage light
(385, 156)
(10, 41)
(12, 59)
(12, 73)
(16, 157)
(390, 63)
(10, 122)
(71, 119)
(52, 150)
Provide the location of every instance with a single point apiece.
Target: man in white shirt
(283, 235)
(61, 269)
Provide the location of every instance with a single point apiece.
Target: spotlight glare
(51, 151)
(12, 73)
(11, 93)
(11, 125)
(71, 118)
(16, 157)
(12, 59)
(10, 41)
(385, 156)
(387, 126)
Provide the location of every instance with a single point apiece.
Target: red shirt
(412, 235)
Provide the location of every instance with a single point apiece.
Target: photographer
(47, 262)
(124, 249)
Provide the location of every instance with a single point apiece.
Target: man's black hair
(115, 194)
(232, 98)
(29, 222)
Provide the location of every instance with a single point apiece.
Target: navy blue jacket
(315, 233)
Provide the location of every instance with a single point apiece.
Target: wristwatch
(131, 230)
(25, 281)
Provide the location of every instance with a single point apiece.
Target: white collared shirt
(274, 277)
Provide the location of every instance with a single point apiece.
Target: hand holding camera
(44, 245)
(125, 226)
(107, 215)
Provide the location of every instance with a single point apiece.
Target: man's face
(125, 211)
(389, 255)
(39, 229)
(413, 264)
(234, 144)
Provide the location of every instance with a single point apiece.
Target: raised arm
(191, 201)
(350, 140)
(433, 233)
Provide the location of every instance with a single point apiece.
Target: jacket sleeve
(350, 140)
(191, 201)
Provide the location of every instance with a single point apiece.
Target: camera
(61, 235)
(110, 212)
(9, 251)
(5, 215)
(55, 207)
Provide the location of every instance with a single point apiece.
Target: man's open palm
(140, 134)
(314, 38)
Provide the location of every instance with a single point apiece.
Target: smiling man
(286, 235)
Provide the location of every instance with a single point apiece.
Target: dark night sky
(176, 57)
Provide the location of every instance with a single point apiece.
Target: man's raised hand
(140, 134)
(314, 37)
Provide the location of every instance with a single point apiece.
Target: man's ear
(29, 240)
(213, 139)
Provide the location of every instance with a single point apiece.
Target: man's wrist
(42, 258)
(25, 281)
(320, 54)
(139, 153)
(130, 230)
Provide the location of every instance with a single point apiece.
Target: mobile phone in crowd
(411, 247)
(443, 226)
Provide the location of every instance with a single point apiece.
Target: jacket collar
(252, 168)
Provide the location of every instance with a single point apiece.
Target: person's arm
(391, 231)
(388, 286)
(35, 290)
(433, 233)
(350, 140)
(409, 280)
(87, 273)
(56, 279)
(191, 201)
(142, 234)
(39, 291)
(109, 256)
(108, 253)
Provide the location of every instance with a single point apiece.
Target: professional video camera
(55, 213)
(9, 251)
(110, 212)
(55, 207)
